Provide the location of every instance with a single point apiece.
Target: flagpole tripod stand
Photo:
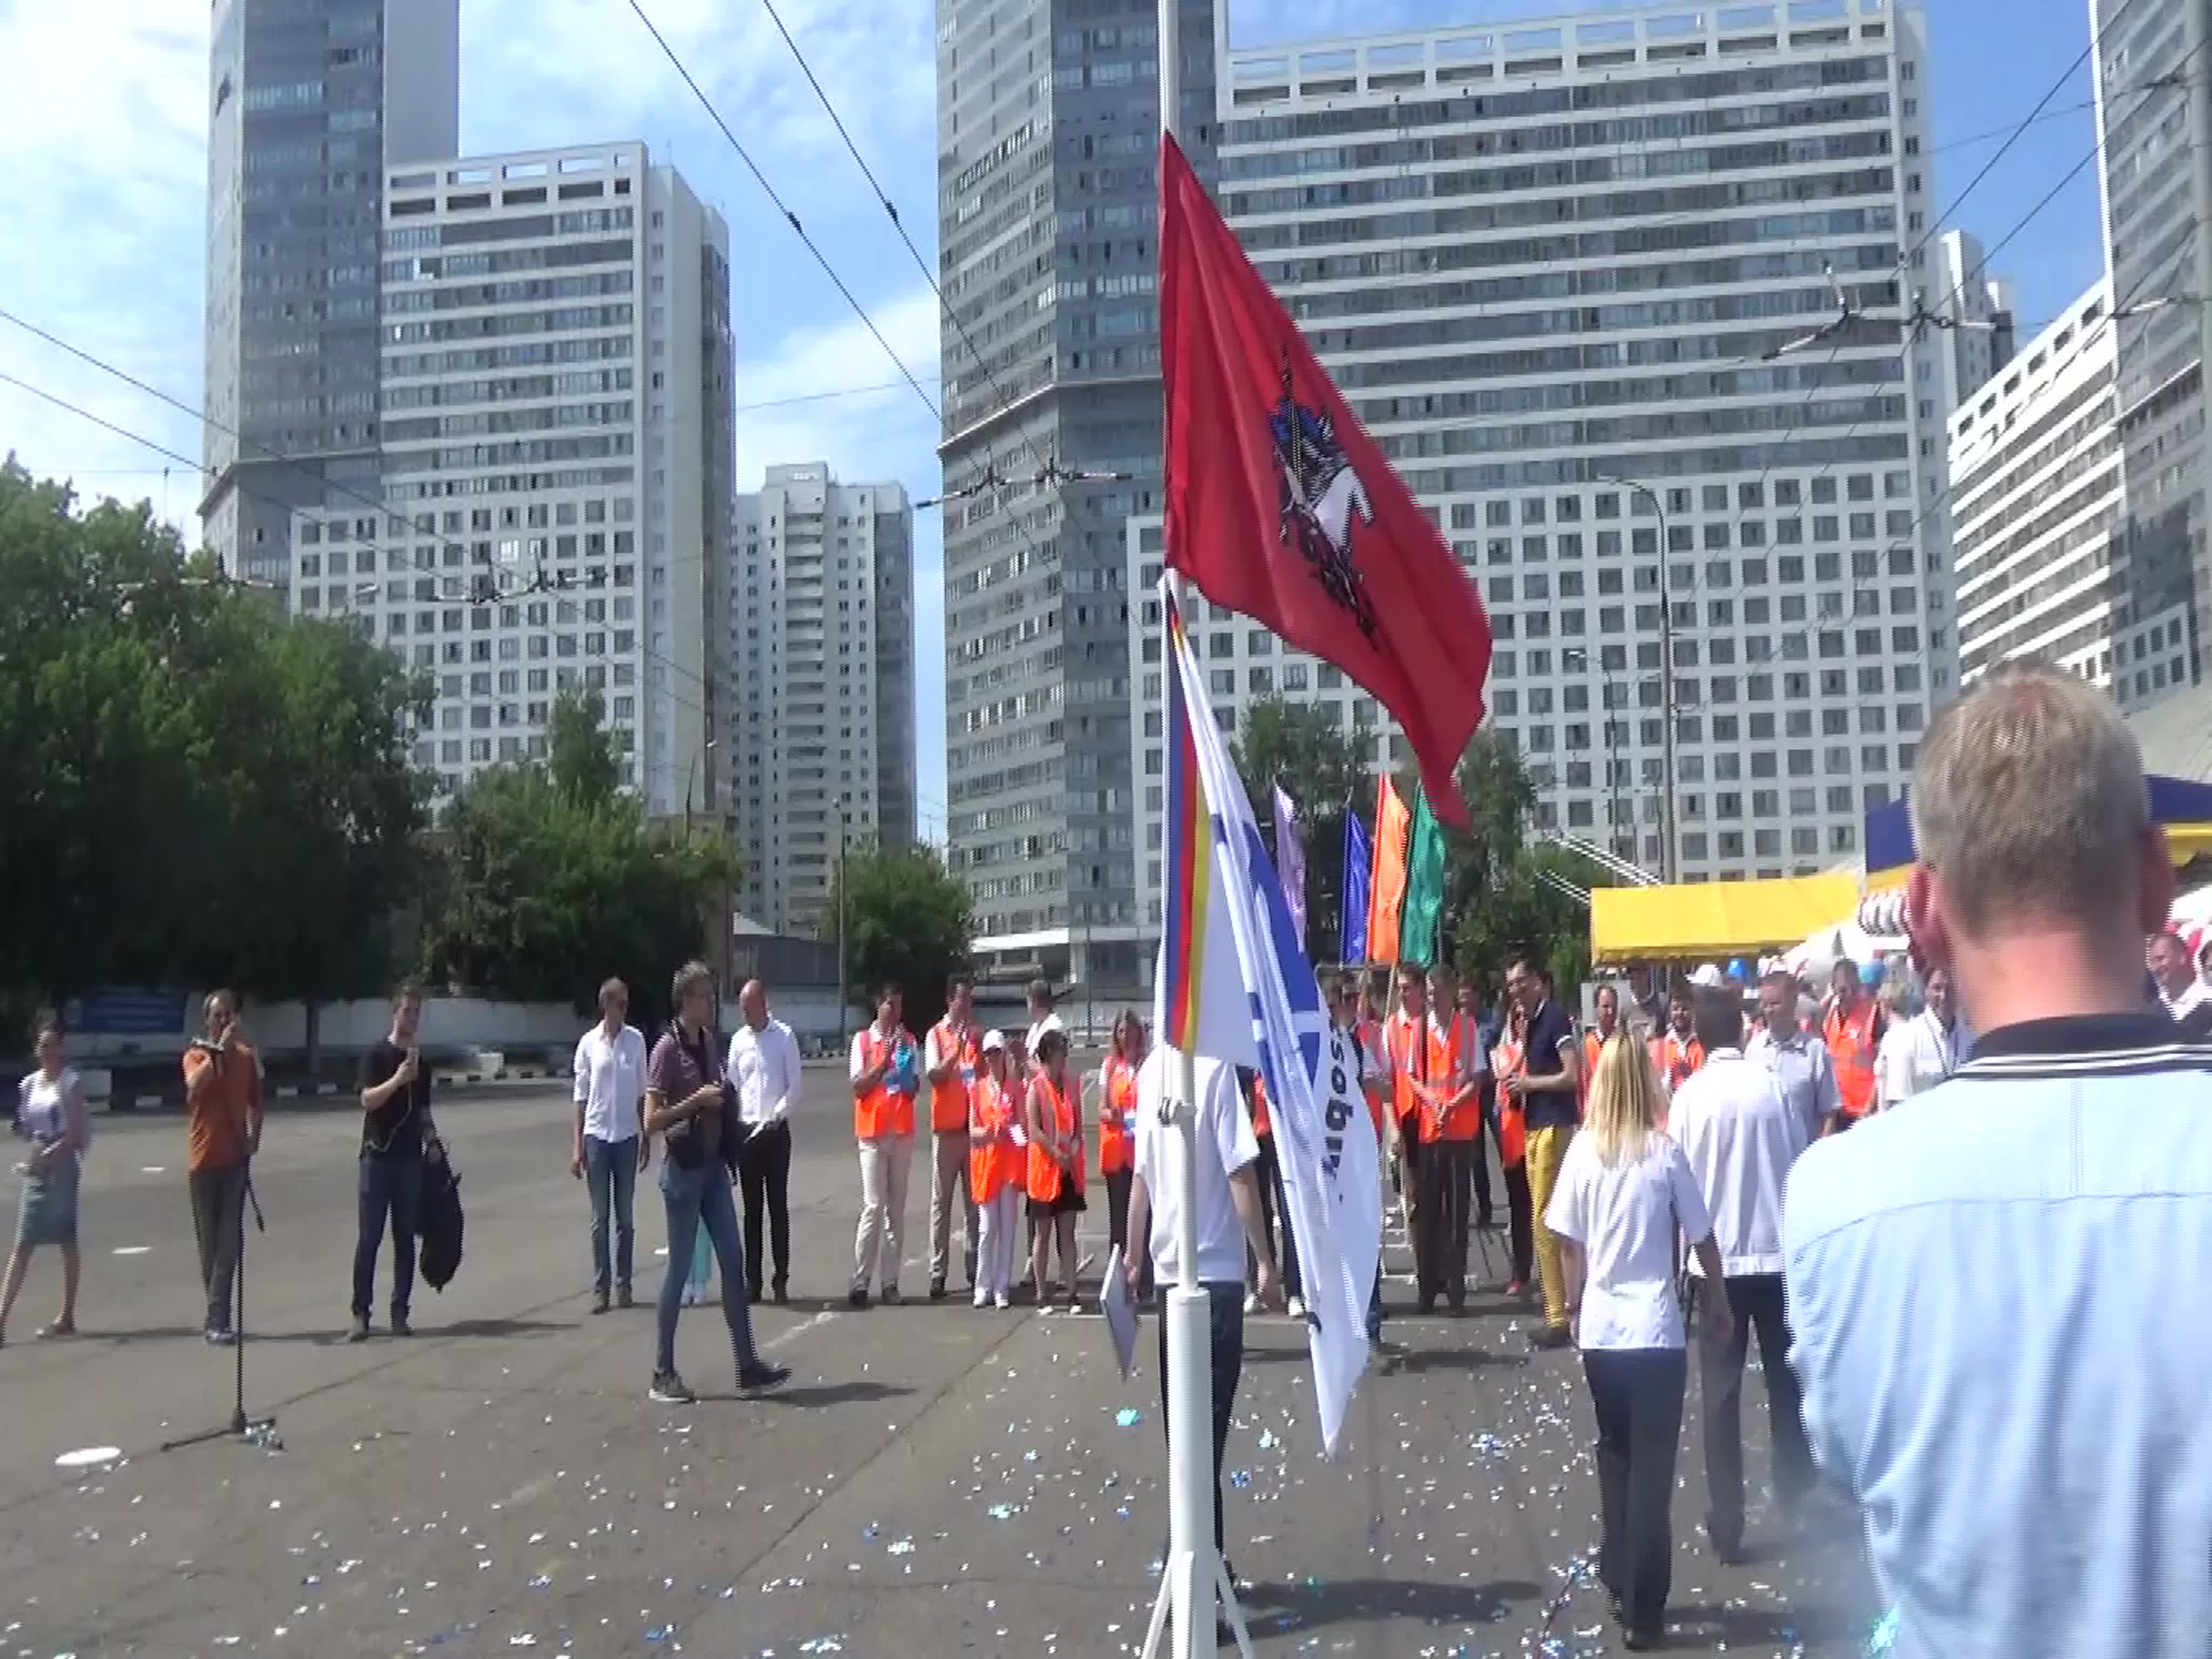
(1194, 1574)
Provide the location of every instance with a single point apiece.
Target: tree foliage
(1321, 767)
(906, 923)
(1496, 899)
(549, 880)
(198, 789)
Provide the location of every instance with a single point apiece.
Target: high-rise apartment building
(1980, 308)
(1048, 130)
(554, 448)
(820, 676)
(2036, 505)
(2153, 65)
(1551, 263)
(310, 101)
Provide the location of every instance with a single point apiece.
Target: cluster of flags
(1281, 507)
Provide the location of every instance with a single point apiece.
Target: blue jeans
(695, 1199)
(610, 1171)
(390, 1185)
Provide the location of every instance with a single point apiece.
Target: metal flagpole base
(1194, 1573)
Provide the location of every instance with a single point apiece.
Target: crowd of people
(1966, 1312)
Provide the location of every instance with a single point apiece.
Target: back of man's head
(2029, 810)
(1718, 1013)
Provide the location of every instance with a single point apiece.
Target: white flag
(1291, 861)
(1324, 1138)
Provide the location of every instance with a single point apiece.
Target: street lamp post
(839, 806)
(1669, 863)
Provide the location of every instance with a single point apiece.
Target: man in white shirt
(1798, 1059)
(1740, 1135)
(1229, 1223)
(763, 1067)
(609, 1070)
(1042, 1018)
(2186, 996)
(1919, 1053)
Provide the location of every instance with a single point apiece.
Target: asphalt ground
(935, 1480)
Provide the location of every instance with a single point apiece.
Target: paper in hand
(1120, 1312)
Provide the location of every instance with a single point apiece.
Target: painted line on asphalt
(132, 1250)
(800, 1329)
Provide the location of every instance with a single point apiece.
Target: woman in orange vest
(997, 1171)
(1510, 1058)
(1055, 1161)
(1117, 1134)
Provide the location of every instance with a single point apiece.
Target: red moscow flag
(1281, 507)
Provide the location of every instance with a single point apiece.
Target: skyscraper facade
(1048, 126)
(1564, 269)
(309, 102)
(554, 454)
(2154, 66)
(820, 672)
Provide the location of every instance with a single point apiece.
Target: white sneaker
(1002, 1300)
(982, 1299)
(1296, 1308)
(1251, 1304)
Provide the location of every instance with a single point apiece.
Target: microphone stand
(255, 1430)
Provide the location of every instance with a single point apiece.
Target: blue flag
(1351, 931)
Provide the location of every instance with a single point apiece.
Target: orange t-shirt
(218, 1118)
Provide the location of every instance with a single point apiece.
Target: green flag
(1424, 886)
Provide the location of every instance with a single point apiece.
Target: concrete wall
(450, 1025)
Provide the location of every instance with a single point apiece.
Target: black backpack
(442, 1221)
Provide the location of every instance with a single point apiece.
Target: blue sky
(103, 181)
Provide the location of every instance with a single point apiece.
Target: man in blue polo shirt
(1546, 1086)
(1990, 1290)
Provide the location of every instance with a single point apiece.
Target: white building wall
(821, 652)
(2042, 569)
(544, 496)
(1541, 257)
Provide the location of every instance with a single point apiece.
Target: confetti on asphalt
(1127, 1418)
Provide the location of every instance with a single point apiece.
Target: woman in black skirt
(1054, 1115)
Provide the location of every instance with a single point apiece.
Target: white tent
(1816, 958)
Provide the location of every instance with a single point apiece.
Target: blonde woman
(1624, 1190)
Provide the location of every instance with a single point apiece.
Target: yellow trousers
(1548, 1150)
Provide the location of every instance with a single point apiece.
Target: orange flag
(1386, 889)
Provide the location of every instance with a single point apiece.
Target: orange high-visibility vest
(1852, 1044)
(948, 1101)
(1117, 1116)
(1507, 1059)
(1262, 1124)
(1438, 1066)
(994, 1160)
(1046, 1173)
(1675, 1061)
(1374, 1075)
(882, 1110)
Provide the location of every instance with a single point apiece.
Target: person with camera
(223, 1130)
(688, 1103)
(396, 1125)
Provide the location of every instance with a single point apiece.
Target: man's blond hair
(2028, 803)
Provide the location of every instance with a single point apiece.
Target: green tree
(580, 751)
(199, 788)
(906, 923)
(543, 886)
(1322, 769)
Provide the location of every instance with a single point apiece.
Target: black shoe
(622, 1298)
(358, 1333)
(782, 1293)
(400, 1327)
(1644, 1638)
(1545, 1338)
(1426, 1306)
(599, 1304)
(760, 1377)
(937, 1290)
(858, 1299)
(752, 1292)
(668, 1389)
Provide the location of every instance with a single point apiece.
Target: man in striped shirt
(1989, 1292)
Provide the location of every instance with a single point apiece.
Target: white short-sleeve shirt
(1225, 1144)
(1624, 1217)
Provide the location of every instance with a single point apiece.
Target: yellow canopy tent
(1716, 919)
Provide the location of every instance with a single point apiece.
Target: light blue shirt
(1803, 1069)
(1997, 1292)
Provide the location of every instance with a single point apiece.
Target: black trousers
(1118, 1182)
(765, 1180)
(1273, 1205)
(1444, 1174)
(1520, 1221)
(1484, 1210)
(1226, 1333)
(1637, 1393)
(1756, 1300)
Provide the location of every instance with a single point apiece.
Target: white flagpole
(1193, 1574)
